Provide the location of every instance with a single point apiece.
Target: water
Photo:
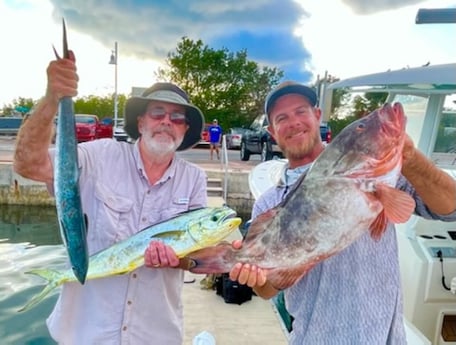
(29, 238)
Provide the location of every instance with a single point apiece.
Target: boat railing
(224, 166)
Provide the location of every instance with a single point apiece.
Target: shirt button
(124, 328)
(129, 302)
(148, 192)
(144, 219)
(134, 275)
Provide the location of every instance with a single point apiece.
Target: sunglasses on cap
(159, 113)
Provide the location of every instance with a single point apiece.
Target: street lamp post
(113, 61)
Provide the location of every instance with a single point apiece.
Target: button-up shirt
(353, 297)
(144, 306)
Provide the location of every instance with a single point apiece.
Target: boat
(428, 95)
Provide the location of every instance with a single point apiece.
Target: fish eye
(214, 218)
(361, 126)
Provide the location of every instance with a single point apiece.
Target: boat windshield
(444, 144)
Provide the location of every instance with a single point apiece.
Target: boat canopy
(425, 79)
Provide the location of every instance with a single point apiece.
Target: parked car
(119, 132)
(205, 135)
(9, 125)
(89, 127)
(325, 132)
(257, 140)
(233, 137)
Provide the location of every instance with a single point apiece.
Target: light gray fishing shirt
(354, 297)
(143, 307)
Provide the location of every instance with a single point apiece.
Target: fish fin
(378, 226)
(215, 259)
(63, 233)
(86, 221)
(260, 223)
(398, 205)
(54, 279)
(282, 278)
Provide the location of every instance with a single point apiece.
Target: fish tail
(54, 279)
(215, 259)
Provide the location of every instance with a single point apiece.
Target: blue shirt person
(215, 134)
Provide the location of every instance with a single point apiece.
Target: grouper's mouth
(393, 120)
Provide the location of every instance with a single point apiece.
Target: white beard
(160, 145)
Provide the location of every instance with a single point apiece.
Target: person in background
(215, 136)
(353, 297)
(124, 188)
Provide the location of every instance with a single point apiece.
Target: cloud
(373, 6)
(303, 38)
(150, 29)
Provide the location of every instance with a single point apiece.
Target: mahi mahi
(185, 233)
(349, 190)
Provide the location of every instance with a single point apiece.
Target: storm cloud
(151, 29)
(147, 29)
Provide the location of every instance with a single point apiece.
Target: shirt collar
(290, 176)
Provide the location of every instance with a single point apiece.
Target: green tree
(361, 105)
(100, 106)
(340, 97)
(18, 106)
(224, 85)
(368, 102)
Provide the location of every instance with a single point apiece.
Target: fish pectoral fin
(378, 226)
(63, 233)
(284, 277)
(397, 205)
(168, 234)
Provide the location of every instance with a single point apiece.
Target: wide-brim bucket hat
(169, 93)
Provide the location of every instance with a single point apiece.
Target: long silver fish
(185, 233)
(348, 190)
(66, 185)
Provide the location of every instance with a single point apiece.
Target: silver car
(234, 137)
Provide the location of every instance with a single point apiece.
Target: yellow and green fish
(185, 233)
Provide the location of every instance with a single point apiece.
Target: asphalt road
(197, 155)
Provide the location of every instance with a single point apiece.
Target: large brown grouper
(350, 189)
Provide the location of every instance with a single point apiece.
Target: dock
(255, 322)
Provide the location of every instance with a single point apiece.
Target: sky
(304, 38)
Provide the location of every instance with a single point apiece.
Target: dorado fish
(71, 219)
(349, 189)
(185, 233)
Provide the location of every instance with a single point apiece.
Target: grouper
(349, 190)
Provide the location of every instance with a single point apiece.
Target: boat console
(428, 264)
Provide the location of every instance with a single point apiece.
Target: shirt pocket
(113, 217)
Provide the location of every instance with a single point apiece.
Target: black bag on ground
(232, 291)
